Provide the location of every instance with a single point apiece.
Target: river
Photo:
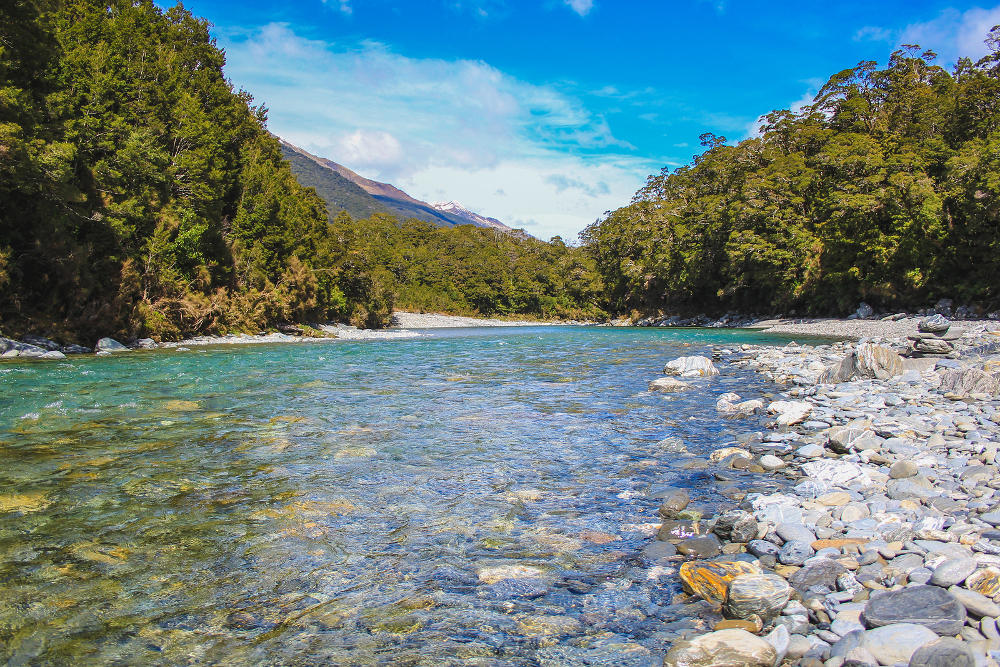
(473, 496)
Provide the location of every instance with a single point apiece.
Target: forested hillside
(140, 195)
(886, 189)
(471, 270)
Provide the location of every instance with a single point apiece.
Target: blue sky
(545, 114)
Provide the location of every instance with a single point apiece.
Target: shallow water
(343, 502)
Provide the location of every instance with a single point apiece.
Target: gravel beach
(884, 548)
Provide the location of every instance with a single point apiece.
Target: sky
(546, 114)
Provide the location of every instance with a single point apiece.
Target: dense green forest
(886, 189)
(140, 195)
(475, 270)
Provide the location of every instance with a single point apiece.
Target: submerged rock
(668, 384)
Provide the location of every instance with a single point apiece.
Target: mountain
(345, 190)
(456, 210)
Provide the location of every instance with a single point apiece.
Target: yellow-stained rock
(597, 537)
(355, 452)
(985, 581)
(181, 406)
(720, 454)
(709, 579)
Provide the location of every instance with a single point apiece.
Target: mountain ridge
(345, 190)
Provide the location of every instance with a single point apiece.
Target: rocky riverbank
(883, 549)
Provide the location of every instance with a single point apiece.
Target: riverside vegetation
(885, 189)
(140, 195)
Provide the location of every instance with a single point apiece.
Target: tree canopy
(885, 189)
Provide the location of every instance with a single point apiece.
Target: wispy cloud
(443, 129)
(952, 34)
(581, 7)
(344, 6)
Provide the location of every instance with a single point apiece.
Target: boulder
(943, 652)
(763, 595)
(864, 311)
(9, 345)
(76, 349)
(110, 345)
(969, 381)
(929, 606)
(877, 361)
(691, 367)
(709, 580)
(722, 648)
(893, 644)
(53, 354)
(906, 488)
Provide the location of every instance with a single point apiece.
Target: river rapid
(472, 496)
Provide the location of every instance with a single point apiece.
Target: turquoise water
(350, 502)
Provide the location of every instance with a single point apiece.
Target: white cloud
(343, 5)
(952, 34)
(442, 130)
(581, 7)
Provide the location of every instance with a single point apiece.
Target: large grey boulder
(868, 361)
(39, 341)
(736, 526)
(929, 606)
(110, 345)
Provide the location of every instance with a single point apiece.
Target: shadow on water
(473, 495)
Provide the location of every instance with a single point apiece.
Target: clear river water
(473, 496)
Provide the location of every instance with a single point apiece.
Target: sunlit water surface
(344, 502)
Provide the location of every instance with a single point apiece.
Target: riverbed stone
(969, 381)
(903, 469)
(762, 595)
(789, 412)
(933, 324)
(722, 648)
(736, 526)
(975, 603)
(668, 385)
(696, 366)
(709, 580)
(705, 546)
(820, 573)
(943, 652)
(109, 345)
(675, 501)
(790, 531)
(795, 552)
(896, 643)
(985, 581)
(659, 550)
(929, 606)
(953, 571)
(877, 361)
